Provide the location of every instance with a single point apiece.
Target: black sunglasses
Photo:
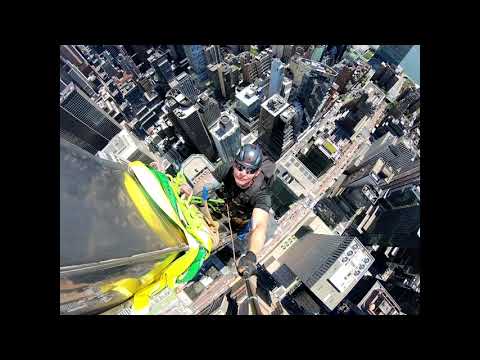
(241, 167)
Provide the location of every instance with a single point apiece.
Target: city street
(297, 213)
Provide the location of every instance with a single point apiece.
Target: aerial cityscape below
(340, 122)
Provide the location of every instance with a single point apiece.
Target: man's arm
(260, 216)
(259, 230)
(247, 263)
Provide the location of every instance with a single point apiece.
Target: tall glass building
(83, 123)
(196, 58)
(407, 56)
(393, 54)
(226, 136)
(277, 71)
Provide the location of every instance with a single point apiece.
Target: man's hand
(247, 264)
(185, 189)
(156, 165)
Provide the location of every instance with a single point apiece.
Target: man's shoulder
(262, 199)
(222, 171)
(268, 170)
(268, 167)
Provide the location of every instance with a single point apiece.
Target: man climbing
(247, 191)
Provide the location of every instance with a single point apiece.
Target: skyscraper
(248, 101)
(173, 52)
(270, 110)
(300, 66)
(112, 49)
(333, 54)
(147, 84)
(277, 51)
(189, 119)
(395, 228)
(199, 173)
(393, 152)
(134, 95)
(69, 72)
(408, 176)
(185, 84)
(163, 71)
(247, 105)
(317, 53)
(263, 61)
(70, 53)
(248, 67)
(299, 125)
(109, 68)
(224, 78)
(411, 64)
(125, 147)
(83, 123)
(314, 88)
(408, 100)
(393, 54)
(386, 76)
(214, 77)
(282, 196)
(373, 173)
(209, 109)
(276, 77)
(288, 52)
(226, 136)
(162, 66)
(213, 54)
(345, 75)
(282, 138)
(286, 88)
(197, 60)
(373, 299)
(220, 76)
(127, 64)
(330, 266)
(140, 53)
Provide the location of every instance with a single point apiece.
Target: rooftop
(299, 179)
(275, 105)
(288, 114)
(67, 91)
(203, 98)
(175, 95)
(248, 95)
(327, 70)
(329, 146)
(182, 76)
(213, 67)
(186, 112)
(195, 165)
(378, 301)
(226, 124)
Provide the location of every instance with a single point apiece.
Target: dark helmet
(250, 156)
